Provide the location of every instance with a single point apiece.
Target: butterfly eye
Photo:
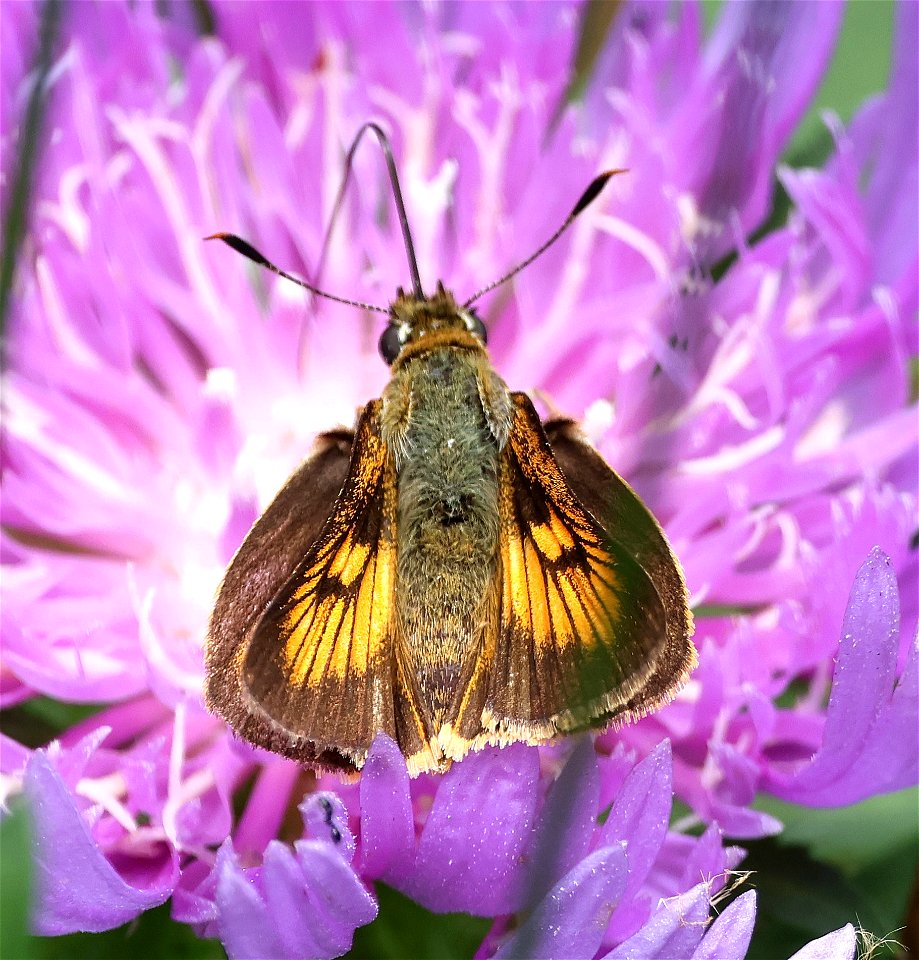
(391, 343)
(474, 325)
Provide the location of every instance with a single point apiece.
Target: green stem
(14, 230)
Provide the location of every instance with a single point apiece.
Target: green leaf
(718, 611)
(15, 884)
(830, 866)
(36, 721)
(854, 837)
(597, 17)
(404, 929)
(152, 936)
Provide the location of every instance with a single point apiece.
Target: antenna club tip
(245, 248)
(594, 188)
(226, 237)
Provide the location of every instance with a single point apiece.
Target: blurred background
(829, 867)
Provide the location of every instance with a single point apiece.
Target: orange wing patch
(322, 663)
(581, 624)
(341, 612)
(559, 581)
(339, 615)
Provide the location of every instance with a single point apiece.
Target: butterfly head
(417, 324)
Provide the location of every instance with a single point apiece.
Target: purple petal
(641, 813)
(476, 833)
(387, 823)
(893, 769)
(287, 911)
(204, 820)
(264, 812)
(733, 794)
(78, 888)
(12, 689)
(301, 903)
(241, 914)
(315, 887)
(194, 898)
(709, 859)
(833, 207)
(729, 936)
(13, 756)
(572, 919)
(890, 156)
(566, 823)
(338, 900)
(791, 42)
(862, 705)
(674, 930)
(639, 820)
(839, 945)
(326, 820)
(759, 47)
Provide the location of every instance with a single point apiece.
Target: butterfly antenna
(386, 147)
(247, 250)
(587, 198)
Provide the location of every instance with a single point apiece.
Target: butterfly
(453, 573)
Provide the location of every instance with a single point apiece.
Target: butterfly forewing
(579, 625)
(320, 666)
(274, 547)
(619, 509)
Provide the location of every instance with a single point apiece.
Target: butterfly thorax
(445, 420)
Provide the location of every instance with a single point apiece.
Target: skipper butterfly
(453, 573)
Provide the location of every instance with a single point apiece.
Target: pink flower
(157, 393)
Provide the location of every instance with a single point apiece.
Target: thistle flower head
(158, 392)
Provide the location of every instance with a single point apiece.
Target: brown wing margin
(613, 502)
(318, 673)
(277, 542)
(582, 627)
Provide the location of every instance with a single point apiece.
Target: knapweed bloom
(157, 393)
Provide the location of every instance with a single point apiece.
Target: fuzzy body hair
(446, 418)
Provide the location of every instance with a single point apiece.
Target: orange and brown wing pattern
(580, 624)
(321, 664)
(613, 502)
(274, 547)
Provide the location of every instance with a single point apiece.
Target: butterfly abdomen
(448, 518)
